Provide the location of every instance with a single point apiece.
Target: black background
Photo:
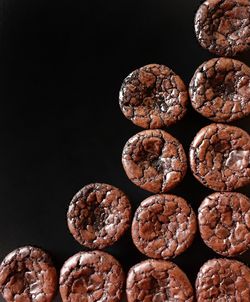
(61, 66)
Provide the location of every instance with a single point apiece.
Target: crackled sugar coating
(98, 215)
(223, 280)
(153, 96)
(220, 157)
(224, 222)
(91, 277)
(158, 281)
(220, 90)
(223, 26)
(164, 226)
(28, 275)
(154, 160)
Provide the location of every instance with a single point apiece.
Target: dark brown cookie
(98, 215)
(223, 280)
(224, 222)
(158, 281)
(223, 26)
(153, 96)
(220, 157)
(164, 226)
(154, 160)
(91, 276)
(28, 275)
(220, 90)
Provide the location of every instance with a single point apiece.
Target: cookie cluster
(164, 225)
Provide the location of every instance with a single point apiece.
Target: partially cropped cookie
(154, 160)
(98, 215)
(223, 26)
(223, 280)
(224, 222)
(164, 226)
(220, 157)
(153, 96)
(220, 90)
(28, 275)
(91, 276)
(158, 280)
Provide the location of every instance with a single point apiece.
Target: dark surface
(62, 64)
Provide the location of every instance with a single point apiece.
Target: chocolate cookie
(223, 26)
(164, 226)
(91, 276)
(27, 275)
(220, 90)
(220, 157)
(153, 96)
(98, 215)
(158, 280)
(223, 280)
(224, 222)
(154, 160)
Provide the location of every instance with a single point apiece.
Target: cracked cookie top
(158, 280)
(220, 90)
(164, 226)
(154, 160)
(223, 280)
(224, 223)
(28, 275)
(223, 26)
(91, 276)
(98, 215)
(220, 157)
(153, 96)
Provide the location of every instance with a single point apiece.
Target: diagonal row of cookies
(164, 225)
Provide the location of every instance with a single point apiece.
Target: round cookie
(223, 26)
(154, 160)
(223, 280)
(98, 215)
(224, 222)
(153, 96)
(91, 276)
(164, 226)
(26, 275)
(220, 156)
(220, 90)
(158, 280)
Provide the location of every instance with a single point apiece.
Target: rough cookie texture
(220, 90)
(223, 280)
(164, 226)
(220, 157)
(98, 215)
(223, 26)
(224, 222)
(28, 275)
(91, 276)
(158, 281)
(153, 96)
(154, 160)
